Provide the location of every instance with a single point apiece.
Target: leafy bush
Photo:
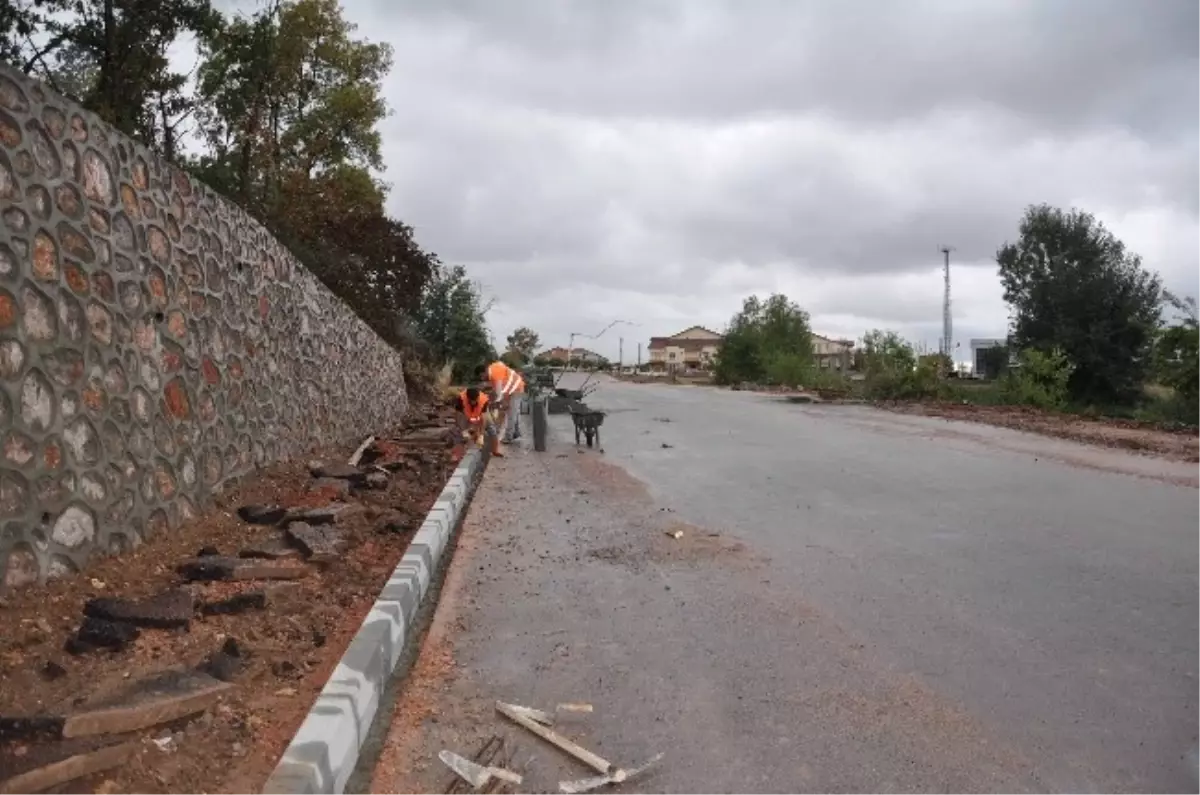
(1042, 380)
(784, 368)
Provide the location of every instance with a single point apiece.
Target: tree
(1177, 354)
(450, 319)
(887, 353)
(522, 343)
(1070, 284)
(764, 337)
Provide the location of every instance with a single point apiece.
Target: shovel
(615, 777)
(476, 774)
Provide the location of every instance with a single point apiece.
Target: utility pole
(639, 364)
(947, 316)
(620, 354)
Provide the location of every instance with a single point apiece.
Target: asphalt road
(859, 601)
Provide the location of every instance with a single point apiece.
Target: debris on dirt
(475, 774)
(217, 567)
(262, 514)
(97, 633)
(337, 488)
(224, 663)
(574, 707)
(271, 549)
(30, 728)
(52, 670)
(64, 769)
(317, 544)
(357, 455)
(167, 610)
(289, 633)
(159, 698)
(238, 603)
(377, 480)
(666, 446)
(326, 514)
(322, 471)
(676, 534)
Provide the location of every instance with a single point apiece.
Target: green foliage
(1070, 284)
(764, 335)
(1042, 380)
(521, 344)
(450, 319)
(893, 371)
(1177, 359)
(288, 102)
(785, 368)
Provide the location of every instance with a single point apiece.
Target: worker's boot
(496, 446)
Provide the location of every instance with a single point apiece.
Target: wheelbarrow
(587, 423)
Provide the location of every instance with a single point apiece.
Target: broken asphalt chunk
(160, 698)
(318, 544)
(166, 610)
(377, 480)
(224, 663)
(225, 568)
(96, 633)
(324, 515)
(336, 471)
(262, 514)
(272, 549)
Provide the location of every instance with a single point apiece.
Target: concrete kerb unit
(325, 750)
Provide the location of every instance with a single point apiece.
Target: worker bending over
(508, 387)
(474, 419)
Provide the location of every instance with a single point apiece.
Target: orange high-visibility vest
(474, 413)
(505, 380)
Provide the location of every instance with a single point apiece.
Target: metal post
(539, 424)
(620, 354)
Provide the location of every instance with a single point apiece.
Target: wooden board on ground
(76, 765)
(160, 698)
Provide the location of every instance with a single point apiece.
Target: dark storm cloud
(665, 158)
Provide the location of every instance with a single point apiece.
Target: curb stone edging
(324, 752)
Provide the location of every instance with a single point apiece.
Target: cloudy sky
(655, 161)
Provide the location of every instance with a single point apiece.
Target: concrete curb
(325, 750)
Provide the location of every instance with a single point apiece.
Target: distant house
(696, 348)
(693, 348)
(832, 354)
(572, 355)
(980, 360)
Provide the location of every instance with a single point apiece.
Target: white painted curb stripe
(325, 750)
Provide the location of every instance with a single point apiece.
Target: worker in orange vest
(508, 389)
(474, 419)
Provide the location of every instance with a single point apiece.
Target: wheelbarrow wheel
(590, 435)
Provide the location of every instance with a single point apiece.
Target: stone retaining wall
(155, 341)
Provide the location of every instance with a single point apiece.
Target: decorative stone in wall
(155, 341)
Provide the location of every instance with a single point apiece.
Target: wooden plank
(73, 767)
(164, 697)
(597, 763)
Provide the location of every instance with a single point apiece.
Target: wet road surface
(858, 601)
